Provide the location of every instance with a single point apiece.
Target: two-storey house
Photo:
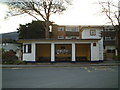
(109, 42)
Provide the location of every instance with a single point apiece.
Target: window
(60, 28)
(68, 37)
(94, 44)
(72, 37)
(60, 37)
(72, 29)
(24, 48)
(109, 29)
(92, 32)
(4, 44)
(27, 48)
(110, 38)
(110, 51)
(113, 38)
(107, 38)
(112, 29)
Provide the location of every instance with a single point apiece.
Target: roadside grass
(16, 62)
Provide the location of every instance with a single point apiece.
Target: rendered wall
(30, 56)
(95, 52)
(101, 49)
(86, 34)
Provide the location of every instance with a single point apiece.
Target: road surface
(61, 77)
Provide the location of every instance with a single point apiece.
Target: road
(61, 77)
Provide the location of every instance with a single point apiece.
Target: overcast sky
(82, 12)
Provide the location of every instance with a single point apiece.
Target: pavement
(65, 64)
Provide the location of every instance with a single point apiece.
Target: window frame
(27, 48)
(72, 37)
(61, 28)
(72, 28)
(61, 37)
(92, 32)
(107, 38)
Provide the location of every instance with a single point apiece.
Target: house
(8, 41)
(109, 41)
(67, 43)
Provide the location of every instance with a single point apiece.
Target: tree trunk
(118, 40)
(47, 24)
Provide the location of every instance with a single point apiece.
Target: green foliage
(9, 57)
(1, 50)
(34, 30)
(118, 57)
(14, 62)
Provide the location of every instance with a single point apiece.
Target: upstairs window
(107, 38)
(27, 48)
(60, 28)
(110, 38)
(72, 29)
(110, 51)
(60, 37)
(72, 37)
(92, 32)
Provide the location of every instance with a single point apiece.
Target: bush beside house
(9, 57)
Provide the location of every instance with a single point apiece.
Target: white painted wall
(52, 52)
(73, 52)
(95, 52)
(101, 49)
(86, 34)
(30, 56)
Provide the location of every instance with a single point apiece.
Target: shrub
(118, 57)
(14, 62)
(9, 56)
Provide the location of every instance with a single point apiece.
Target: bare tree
(38, 9)
(112, 12)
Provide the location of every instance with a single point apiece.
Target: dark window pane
(108, 51)
(29, 48)
(94, 44)
(24, 48)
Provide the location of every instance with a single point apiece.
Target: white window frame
(72, 28)
(61, 28)
(72, 37)
(60, 37)
(107, 38)
(92, 32)
(26, 47)
(68, 37)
